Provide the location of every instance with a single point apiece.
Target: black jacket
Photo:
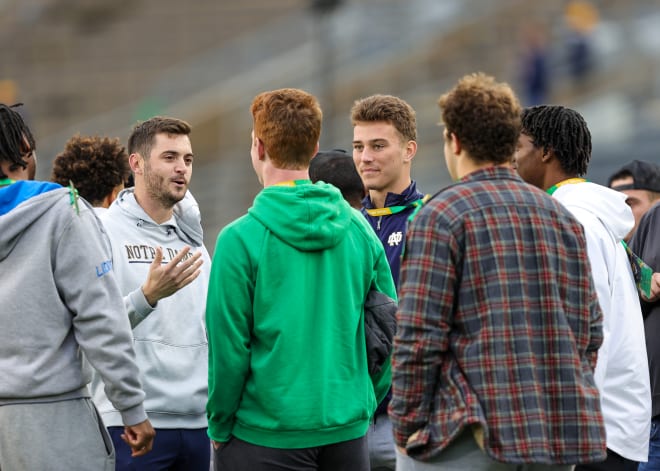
(379, 328)
(646, 244)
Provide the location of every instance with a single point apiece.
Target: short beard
(154, 185)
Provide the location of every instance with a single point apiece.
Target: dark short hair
(16, 139)
(562, 130)
(142, 137)
(337, 168)
(96, 165)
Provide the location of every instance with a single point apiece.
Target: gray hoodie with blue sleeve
(62, 309)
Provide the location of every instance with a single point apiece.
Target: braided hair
(564, 131)
(16, 139)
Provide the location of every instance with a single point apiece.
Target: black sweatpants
(613, 462)
(238, 455)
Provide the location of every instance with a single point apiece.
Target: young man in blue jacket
(384, 145)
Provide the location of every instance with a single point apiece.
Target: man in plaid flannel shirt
(498, 323)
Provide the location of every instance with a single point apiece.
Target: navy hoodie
(391, 228)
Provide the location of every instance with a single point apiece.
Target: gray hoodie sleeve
(84, 276)
(137, 306)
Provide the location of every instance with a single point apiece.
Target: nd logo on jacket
(395, 238)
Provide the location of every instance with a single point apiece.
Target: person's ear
(455, 144)
(261, 149)
(136, 162)
(547, 154)
(411, 150)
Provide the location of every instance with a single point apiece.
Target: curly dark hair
(564, 131)
(16, 139)
(485, 117)
(96, 165)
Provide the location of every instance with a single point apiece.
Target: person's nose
(365, 155)
(181, 166)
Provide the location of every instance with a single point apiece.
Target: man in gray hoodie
(162, 269)
(65, 312)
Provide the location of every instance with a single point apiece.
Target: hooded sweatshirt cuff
(134, 415)
(140, 307)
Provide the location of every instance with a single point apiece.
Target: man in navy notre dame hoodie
(384, 144)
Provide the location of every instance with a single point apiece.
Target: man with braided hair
(553, 152)
(55, 254)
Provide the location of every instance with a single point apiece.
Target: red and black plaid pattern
(498, 325)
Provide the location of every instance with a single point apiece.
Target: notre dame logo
(395, 238)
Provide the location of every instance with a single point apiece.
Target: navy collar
(408, 195)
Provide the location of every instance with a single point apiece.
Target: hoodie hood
(607, 205)
(306, 216)
(189, 219)
(186, 221)
(22, 203)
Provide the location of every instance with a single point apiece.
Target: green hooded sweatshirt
(285, 320)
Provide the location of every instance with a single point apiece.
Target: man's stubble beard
(157, 188)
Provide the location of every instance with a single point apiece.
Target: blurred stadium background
(98, 66)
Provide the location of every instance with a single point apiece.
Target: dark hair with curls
(96, 165)
(16, 140)
(389, 109)
(485, 117)
(564, 131)
(142, 137)
(288, 122)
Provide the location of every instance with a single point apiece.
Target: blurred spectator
(8, 91)
(581, 17)
(97, 166)
(337, 168)
(534, 65)
(639, 180)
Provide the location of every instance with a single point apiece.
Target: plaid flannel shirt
(498, 325)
